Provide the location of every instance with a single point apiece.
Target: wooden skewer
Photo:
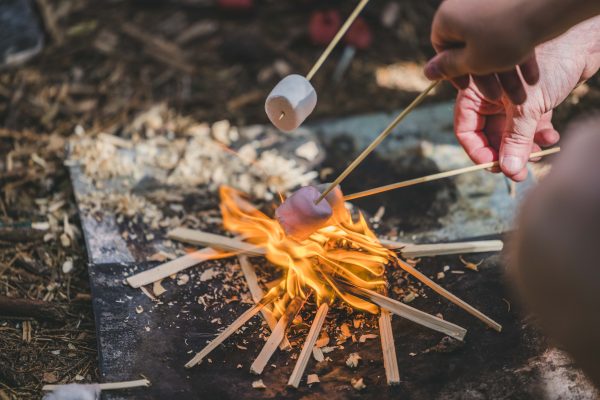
(440, 175)
(231, 329)
(438, 249)
(336, 39)
(444, 293)
(257, 294)
(390, 361)
(108, 385)
(217, 241)
(276, 336)
(306, 352)
(412, 314)
(174, 266)
(378, 140)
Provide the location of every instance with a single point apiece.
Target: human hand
(494, 42)
(492, 130)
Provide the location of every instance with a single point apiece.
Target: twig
(107, 386)
(257, 294)
(438, 249)
(231, 329)
(377, 141)
(276, 336)
(444, 293)
(390, 361)
(306, 352)
(26, 308)
(440, 175)
(412, 314)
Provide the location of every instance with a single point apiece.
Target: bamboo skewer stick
(306, 352)
(412, 314)
(257, 295)
(231, 329)
(378, 140)
(444, 293)
(336, 39)
(108, 385)
(390, 361)
(437, 249)
(439, 175)
(276, 336)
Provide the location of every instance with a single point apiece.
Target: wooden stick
(439, 175)
(336, 39)
(277, 335)
(257, 294)
(378, 140)
(306, 352)
(11, 307)
(169, 268)
(231, 329)
(215, 241)
(444, 293)
(107, 386)
(412, 314)
(439, 249)
(390, 361)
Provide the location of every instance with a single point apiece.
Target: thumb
(447, 64)
(515, 148)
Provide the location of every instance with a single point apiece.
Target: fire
(346, 250)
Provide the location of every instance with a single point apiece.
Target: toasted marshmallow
(300, 217)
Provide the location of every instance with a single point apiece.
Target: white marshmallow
(293, 96)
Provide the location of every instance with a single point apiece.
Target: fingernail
(432, 71)
(511, 165)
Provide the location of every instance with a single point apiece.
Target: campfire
(343, 261)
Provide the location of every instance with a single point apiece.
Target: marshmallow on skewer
(290, 102)
(335, 198)
(299, 216)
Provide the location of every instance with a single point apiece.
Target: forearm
(548, 19)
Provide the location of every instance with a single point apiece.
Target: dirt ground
(104, 63)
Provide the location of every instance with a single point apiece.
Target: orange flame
(346, 250)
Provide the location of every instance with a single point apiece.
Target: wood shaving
(312, 378)
(353, 360)
(158, 289)
(318, 354)
(183, 279)
(470, 265)
(365, 337)
(259, 384)
(208, 274)
(358, 383)
(322, 341)
(345, 329)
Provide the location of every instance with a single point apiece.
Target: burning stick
(410, 313)
(306, 352)
(390, 362)
(277, 335)
(440, 175)
(257, 294)
(444, 293)
(231, 329)
(438, 249)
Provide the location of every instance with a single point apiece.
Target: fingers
(530, 70)
(488, 85)
(447, 64)
(545, 134)
(470, 117)
(516, 145)
(512, 86)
